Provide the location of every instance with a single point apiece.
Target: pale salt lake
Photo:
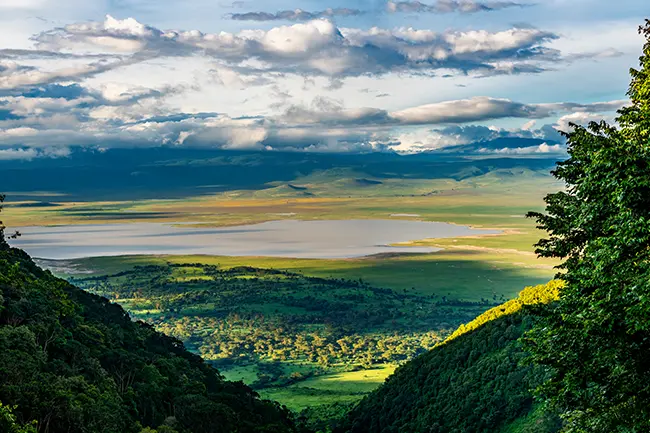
(285, 238)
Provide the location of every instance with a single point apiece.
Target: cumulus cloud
(480, 140)
(112, 114)
(296, 15)
(578, 118)
(17, 154)
(464, 111)
(14, 75)
(449, 6)
(313, 48)
(477, 109)
(27, 153)
(543, 148)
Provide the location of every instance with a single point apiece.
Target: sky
(319, 76)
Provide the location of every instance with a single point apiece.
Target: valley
(311, 290)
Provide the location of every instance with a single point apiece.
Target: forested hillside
(474, 383)
(71, 361)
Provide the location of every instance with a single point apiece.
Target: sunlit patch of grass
(345, 387)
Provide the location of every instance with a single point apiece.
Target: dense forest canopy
(597, 338)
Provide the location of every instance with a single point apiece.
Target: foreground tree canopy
(597, 338)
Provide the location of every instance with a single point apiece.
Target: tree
(596, 338)
(9, 424)
(3, 241)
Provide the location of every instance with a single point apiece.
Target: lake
(284, 238)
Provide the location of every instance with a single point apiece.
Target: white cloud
(31, 153)
(542, 148)
(317, 47)
(463, 111)
(118, 115)
(579, 118)
(14, 75)
(21, 131)
(17, 154)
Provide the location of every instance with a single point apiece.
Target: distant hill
(367, 182)
(474, 382)
(74, 362)
(164, 172)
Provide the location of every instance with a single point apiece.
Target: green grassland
(329, 389)
(462, 273)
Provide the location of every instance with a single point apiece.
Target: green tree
(3, 241)
(9, 424)
(596, 339)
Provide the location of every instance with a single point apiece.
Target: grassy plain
(464, 273)
(345, 387)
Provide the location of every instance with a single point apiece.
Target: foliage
(3, 241)
(282, 328)
(324, 417)
(597, 338)
(8, 423)
(529, 296)
(474, 383)
(72, 361)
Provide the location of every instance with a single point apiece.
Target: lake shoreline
(317, 239)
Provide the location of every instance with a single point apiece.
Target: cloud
(296, 15)
(579, 118)
(543, 148)
(449, 6)
(313, 48)
(477, 109)
(464, 111)
(18, 154)
(480, 139)
(573, 107)
(14, 75)
(113, 114)
(440, 7)
(516, 141)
